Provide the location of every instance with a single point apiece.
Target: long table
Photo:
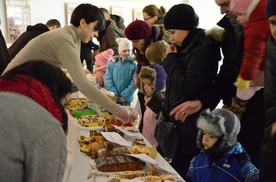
(78, 164)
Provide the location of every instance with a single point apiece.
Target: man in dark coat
(31, 32)
(268, 150)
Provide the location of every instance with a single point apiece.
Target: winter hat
(104, 57)
(221, 123)
(270, 8)
(181, 17)
(138, 29)
(123, 44)
(149, 73)
(239, 6)
(156, 52)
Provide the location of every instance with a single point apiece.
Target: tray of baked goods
(120, 161)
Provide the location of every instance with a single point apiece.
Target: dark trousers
(252, 127)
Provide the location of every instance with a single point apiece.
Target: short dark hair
(53, 22)
(90, 13)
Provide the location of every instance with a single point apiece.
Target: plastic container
(78, 112)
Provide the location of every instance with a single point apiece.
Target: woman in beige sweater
(62, 48)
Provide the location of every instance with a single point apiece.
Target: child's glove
(242, 84)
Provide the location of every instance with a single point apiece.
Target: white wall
(43, 10)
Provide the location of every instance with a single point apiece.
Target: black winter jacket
(268, 150)
(190, 72)
(23, 39)
(232, 49)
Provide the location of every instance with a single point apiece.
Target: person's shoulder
(212, 36)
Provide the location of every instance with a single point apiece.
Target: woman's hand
(171, 49)
(182, 111)
(128, 115)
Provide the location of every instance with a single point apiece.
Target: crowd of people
(174, 66)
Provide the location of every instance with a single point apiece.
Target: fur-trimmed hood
(216, 33)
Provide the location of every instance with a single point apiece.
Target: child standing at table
(222, 157)
(153, 103)
(119, 76)
(101, 62)
(156, 53)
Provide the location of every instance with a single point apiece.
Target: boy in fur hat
(153, 103)
(222, 157)
(119, 76)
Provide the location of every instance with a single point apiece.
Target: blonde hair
(156, 52)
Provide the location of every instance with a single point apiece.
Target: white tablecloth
(78, 167)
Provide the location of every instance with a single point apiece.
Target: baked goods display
(139, 149)
(128, 127)
(76, 103)
(115, 163)
(138, 141)
(142, 176)
(90, 145)
(91, 121)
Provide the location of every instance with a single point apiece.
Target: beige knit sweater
(62, 48)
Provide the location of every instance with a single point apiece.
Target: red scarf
(33, 89)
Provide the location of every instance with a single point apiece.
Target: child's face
(147, 86)
(125, 54)
(208, 140)
(241, 19)
(272, 24)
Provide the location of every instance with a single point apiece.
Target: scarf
(33, 89)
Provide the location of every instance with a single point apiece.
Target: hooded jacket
(119, 21)
(31, 32)
(228, 168)
(119, 78)
(108, 36)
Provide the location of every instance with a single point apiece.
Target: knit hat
(138, 29)
(181, 17)
(270, 8)
(149, 73)
(221, 123)
(104, 57)
(123, 44)
(239, 6)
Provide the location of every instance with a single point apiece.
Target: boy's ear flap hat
(104, 57)
(221, 123)
(149, 73)
(270, 8)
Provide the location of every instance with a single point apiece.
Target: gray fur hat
(149, 73)
(221, 123)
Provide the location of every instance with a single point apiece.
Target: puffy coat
(190, 72)
(119, 78)
(228, 168)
